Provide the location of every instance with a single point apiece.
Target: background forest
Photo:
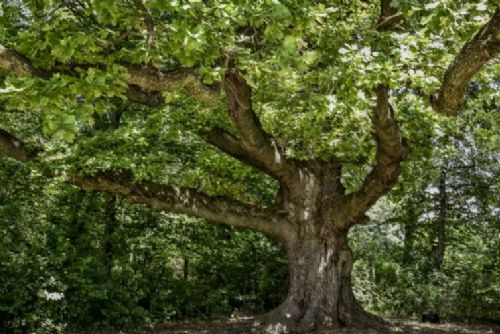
(72, 259)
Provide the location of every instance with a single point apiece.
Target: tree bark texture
(320, 292)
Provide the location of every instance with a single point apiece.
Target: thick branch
(13, 62)
(254, 141)
(153, 80)
(483, 46)
(162, 197)
(391, 150)
(144, 82)
(391, 147)
(186, 201)
(14, 148)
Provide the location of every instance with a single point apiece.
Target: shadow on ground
(246, 325)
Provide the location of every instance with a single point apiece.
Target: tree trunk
(320, 293)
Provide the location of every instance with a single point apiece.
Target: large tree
(304, 91)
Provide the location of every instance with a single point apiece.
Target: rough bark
(186, 201)
(254, 141)
(231, 145)
(320, 293)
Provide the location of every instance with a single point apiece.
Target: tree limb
(151, 99)
(391, 151)
(186, 201)
(13, 62)
(162, 197)
(482, 47)
(143, 82)
(154, 80)
(261, 147)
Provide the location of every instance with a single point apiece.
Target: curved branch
(186, 201)
(391, 151)
(254, 141)
(482, 47)
(13, 62)
(143, 82)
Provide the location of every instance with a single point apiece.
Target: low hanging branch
(162, 197)
(186, 201)
(483, 46)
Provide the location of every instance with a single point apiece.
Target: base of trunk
(320, 293)
(280, 321)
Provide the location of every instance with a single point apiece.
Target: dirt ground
(246, 325)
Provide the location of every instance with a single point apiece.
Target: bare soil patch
(247, 325)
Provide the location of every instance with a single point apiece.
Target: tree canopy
(291, 118)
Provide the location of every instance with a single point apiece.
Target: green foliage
(55, 275)
(395, 272)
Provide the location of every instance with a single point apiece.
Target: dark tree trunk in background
(409, 235)
(109, 231)
(114, 118)
(441, 226)
(185, 269)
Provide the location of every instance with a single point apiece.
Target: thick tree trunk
(320, 293)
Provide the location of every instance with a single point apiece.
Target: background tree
(296, 81)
